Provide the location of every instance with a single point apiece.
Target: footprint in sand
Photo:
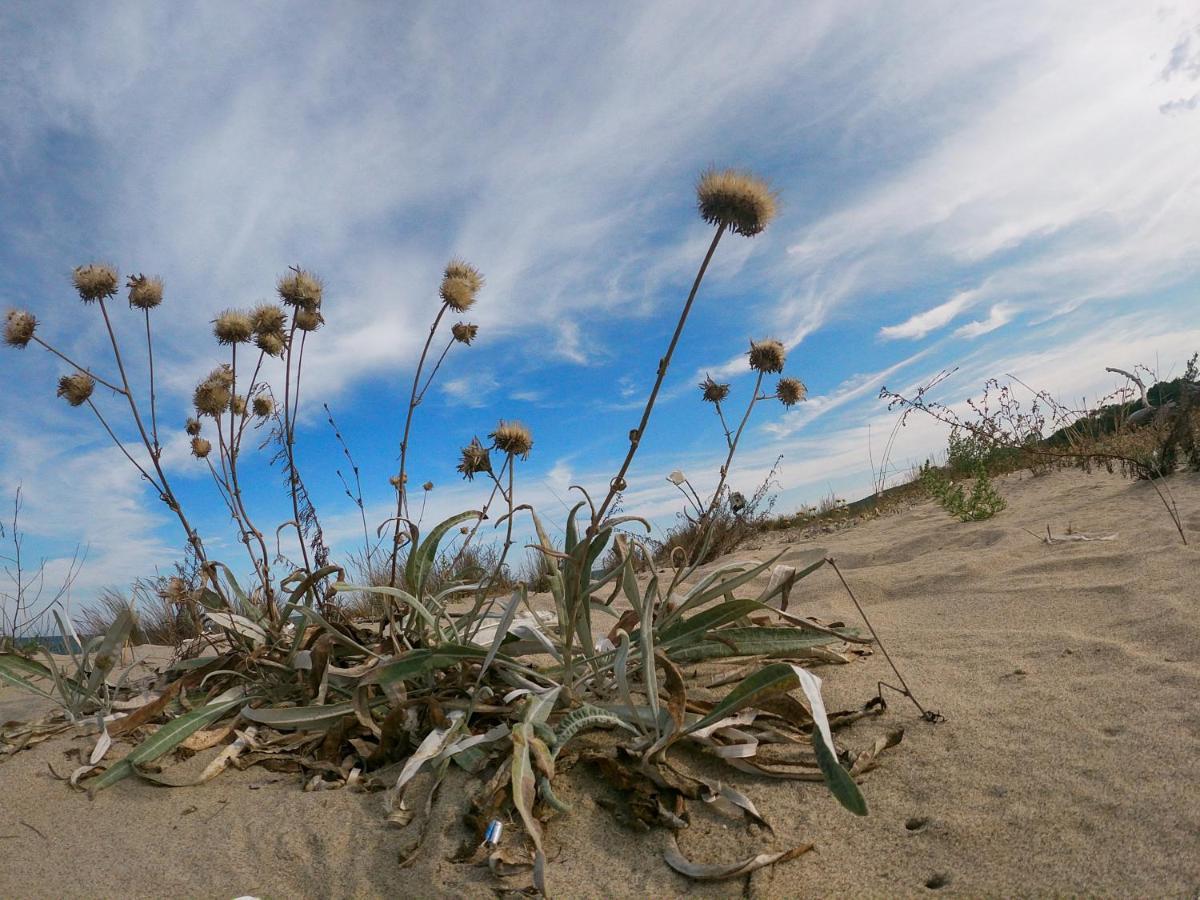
(937, 880)
(916, 824)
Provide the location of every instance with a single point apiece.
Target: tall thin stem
(167, 494)
(153, 401)
(84, 369)
(412, 405)
(754, 398)
(635, 436)
(289, 432)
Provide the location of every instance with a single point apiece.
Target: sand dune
(1068, 674)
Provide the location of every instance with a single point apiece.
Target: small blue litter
(491, 837)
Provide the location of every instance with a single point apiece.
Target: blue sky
(1005, 187)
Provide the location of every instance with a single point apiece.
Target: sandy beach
(1067, 672)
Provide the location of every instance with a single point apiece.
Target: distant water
(52, 642)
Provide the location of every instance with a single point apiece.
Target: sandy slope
(1069, 675)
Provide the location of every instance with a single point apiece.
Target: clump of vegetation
(1146, 437)
(983, 502)
(450, 673)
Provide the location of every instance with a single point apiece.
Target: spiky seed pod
(457, 294)
(791, 391)
(458, 268)
(77, 388)
(238, 405)
(395, 481)
(463, 529)
(270, 343)
(213, 394)
(193, 426)
(145, 292)
(268, 319)
(263, 405)
(460, 283)
(200, 447)
(475, 459)
(19, 327)
(513, 438)
(464, 332)
(738, 200)
(309, 319)
(712, 392)
(767, 356)
(233, 327)
(427, 486)
(95, 281)
(300, 289)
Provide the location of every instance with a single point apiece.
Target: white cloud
(999, 315)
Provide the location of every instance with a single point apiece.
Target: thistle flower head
(427, 486)
(395, 481)
(475, 459)
(737, 200)
(268, 318)
(513, 438)
(737, 501)
(233, 327)
(145, 292)
(200, 447)
(263, 405)
(309, 319)
(300, 289)
(464, 332)
(767, 356)
(95, 281)
(238, 405)
(460, 283)
(214, 393)
(19, 327)
(76, 389)
(791, 391)
(677, 478)
(270, 343)
(712, 392)
(193, 426)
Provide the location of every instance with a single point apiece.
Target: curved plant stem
(401, 493)
(153, 400)
(121, 447)
(635, 436)
(71, 362)
(754, 398)
(289, 432)
(168, 496)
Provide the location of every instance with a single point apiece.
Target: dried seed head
(76, 389)
(300, 289)
(395, 481)
(712, 392)
(193, 426)
(513, 438)
(427, 486)
(460, 283)
(268, 319)
(475, 459)
(175, 590)
(19, 327)
(270, 343)
(767, 356)
(464, 332)
(737, 501)
(738, 200)
(213, 394)
(200, 447)
(238, 405)
(145, 292)
(791, 391)
(233, 327)
(309, 319)
(458, 268)
(95, 281)
(263, 405)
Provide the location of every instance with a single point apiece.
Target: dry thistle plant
(442, 677)
(461, 283)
